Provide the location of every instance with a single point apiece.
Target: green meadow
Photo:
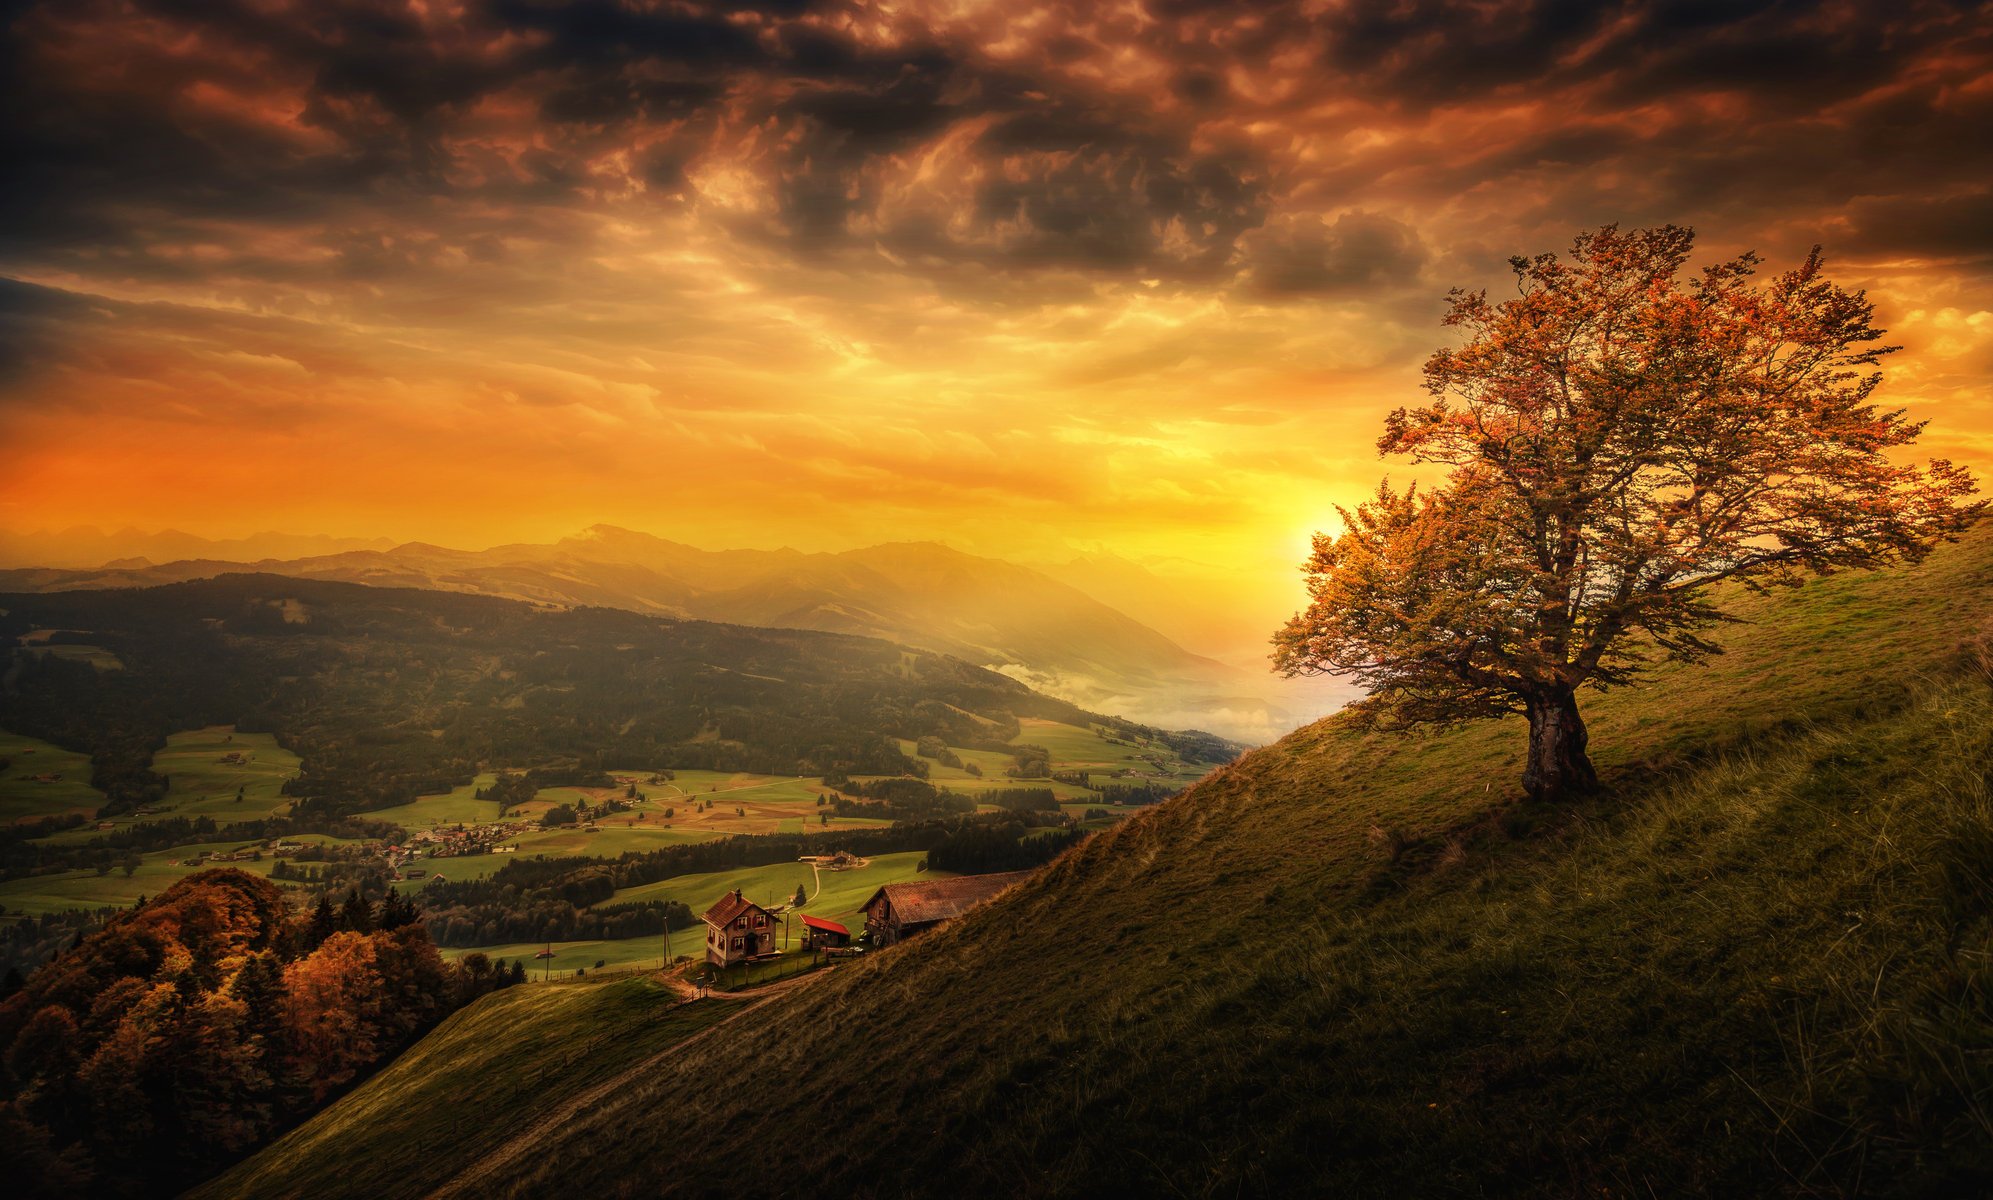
(459, 806)
(24, 797)
(157, 870)
(214, 772)
(836, 899)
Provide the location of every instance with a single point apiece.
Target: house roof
(826, 926)
(730, 906)
(926, 900)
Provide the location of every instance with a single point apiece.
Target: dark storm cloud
(1254, 144)
(1304, 256)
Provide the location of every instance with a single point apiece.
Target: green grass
(615, 954)
(1761, 962)
(200, 784)
(459, 806)
(466, 1088)
(838, 899)
(1072, 748)
(23, 798)
(157, 870)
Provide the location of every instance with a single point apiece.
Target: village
(740, 932)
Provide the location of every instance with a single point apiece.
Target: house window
(736, 943)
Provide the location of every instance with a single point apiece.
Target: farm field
(1073, 748)
(740, 803)
(458, 806)
(23, 798)
(209, 767)
(202, 780)
(1077, 749)
(157, 870)
(615, 954)
(842, 892)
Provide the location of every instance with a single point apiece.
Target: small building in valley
(738, 930)
(900, 910)
(819, 934)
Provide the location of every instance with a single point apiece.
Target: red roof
(826, 926)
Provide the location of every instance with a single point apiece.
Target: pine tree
(397, 911)
(260, 987)
(324, 923)
(356, 914)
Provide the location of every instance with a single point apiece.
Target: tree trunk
(1557, 763)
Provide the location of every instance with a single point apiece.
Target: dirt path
(474, 1180)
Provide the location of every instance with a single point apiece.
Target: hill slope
(389, 693)
(982, 610)
(1762, 963)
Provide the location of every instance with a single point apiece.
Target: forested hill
(386, 693)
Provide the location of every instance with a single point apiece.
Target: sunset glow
(1034, 280)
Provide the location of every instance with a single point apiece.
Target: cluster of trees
(999, 846)
(900, 799)
(189, 1028)
(1136, 793)
(543, 919)
(1021, 799)
(528, 880)
(513, 788)
(23, 852)
(930, 746)
(1029, 762)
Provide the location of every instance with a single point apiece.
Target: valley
(302, 803)
(1371, 965)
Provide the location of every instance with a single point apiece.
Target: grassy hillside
(1762, 962)
(463, 1090)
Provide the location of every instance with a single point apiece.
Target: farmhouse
(737, 930)
(819, 934)
(900, 910)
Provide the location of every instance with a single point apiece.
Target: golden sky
(1032, 279)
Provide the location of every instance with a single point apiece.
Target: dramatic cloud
(1013, 275)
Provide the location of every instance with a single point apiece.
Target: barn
(900, 910)
(819, 934)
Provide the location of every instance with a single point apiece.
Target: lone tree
(1618, 439)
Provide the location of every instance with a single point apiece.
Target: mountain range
(1015, 620)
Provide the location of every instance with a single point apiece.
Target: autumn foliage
(1618, 439)
(191, 1027)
